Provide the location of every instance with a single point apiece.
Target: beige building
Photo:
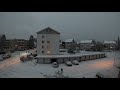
(48, 41)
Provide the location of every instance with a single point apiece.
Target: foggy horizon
(78, 25)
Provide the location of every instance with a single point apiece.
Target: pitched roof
(109, 42)
(69, 40)
(48, 30)
(86, 41)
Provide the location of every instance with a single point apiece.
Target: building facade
(110, 45)
(70, 43)
(86, 44)
(16, 44)
(48, 41)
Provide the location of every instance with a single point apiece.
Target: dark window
(42, 36)
(42, 41)
(42, 46)
(42, 51)
(48, 41)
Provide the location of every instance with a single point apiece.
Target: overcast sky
(77, 25)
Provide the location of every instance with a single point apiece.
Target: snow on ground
(14, 68)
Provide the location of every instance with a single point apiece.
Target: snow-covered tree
(31, 42)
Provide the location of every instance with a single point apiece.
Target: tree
(71, 50)
(118, 44)
(2, 43)
(31, 42)
(99, 46)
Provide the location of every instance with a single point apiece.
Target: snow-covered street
(14, 68)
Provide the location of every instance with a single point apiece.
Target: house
(48, 41)
(110, 45)
(87, 44)
(70, 43)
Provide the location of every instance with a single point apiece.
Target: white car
(75, 62)
(5, 56)
(55, 64)
(68, 63)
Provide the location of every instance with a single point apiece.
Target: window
(42, 36)
(42, 46)
(42, 51)
(48, 41)
(42, 41)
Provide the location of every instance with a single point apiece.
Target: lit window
(48, 52)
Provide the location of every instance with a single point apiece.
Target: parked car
(75, 62)
(55, 64)
(1, 58)
(68, 63)
(34, 54)
(5, 56)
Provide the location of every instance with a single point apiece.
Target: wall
(53, 46)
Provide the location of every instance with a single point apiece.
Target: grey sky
(78, 25)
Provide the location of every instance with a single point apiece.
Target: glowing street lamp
(48, 52)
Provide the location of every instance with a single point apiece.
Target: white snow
(109, 42)
(69, 40)
(86, 41)
(14, 68)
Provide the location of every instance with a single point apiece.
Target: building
(2, 42)
(87, 44)
(16, 44)
(62, 45)
(70, 43)
(48, 41)
(110, 45)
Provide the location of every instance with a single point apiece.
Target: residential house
(110, 45)
(87, 44)
(70, 43)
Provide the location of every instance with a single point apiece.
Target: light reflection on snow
(14, 68)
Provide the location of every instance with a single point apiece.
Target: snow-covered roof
(69, 40)
(109, 42)
(48, 30)
(67, 55)
(86, 41)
